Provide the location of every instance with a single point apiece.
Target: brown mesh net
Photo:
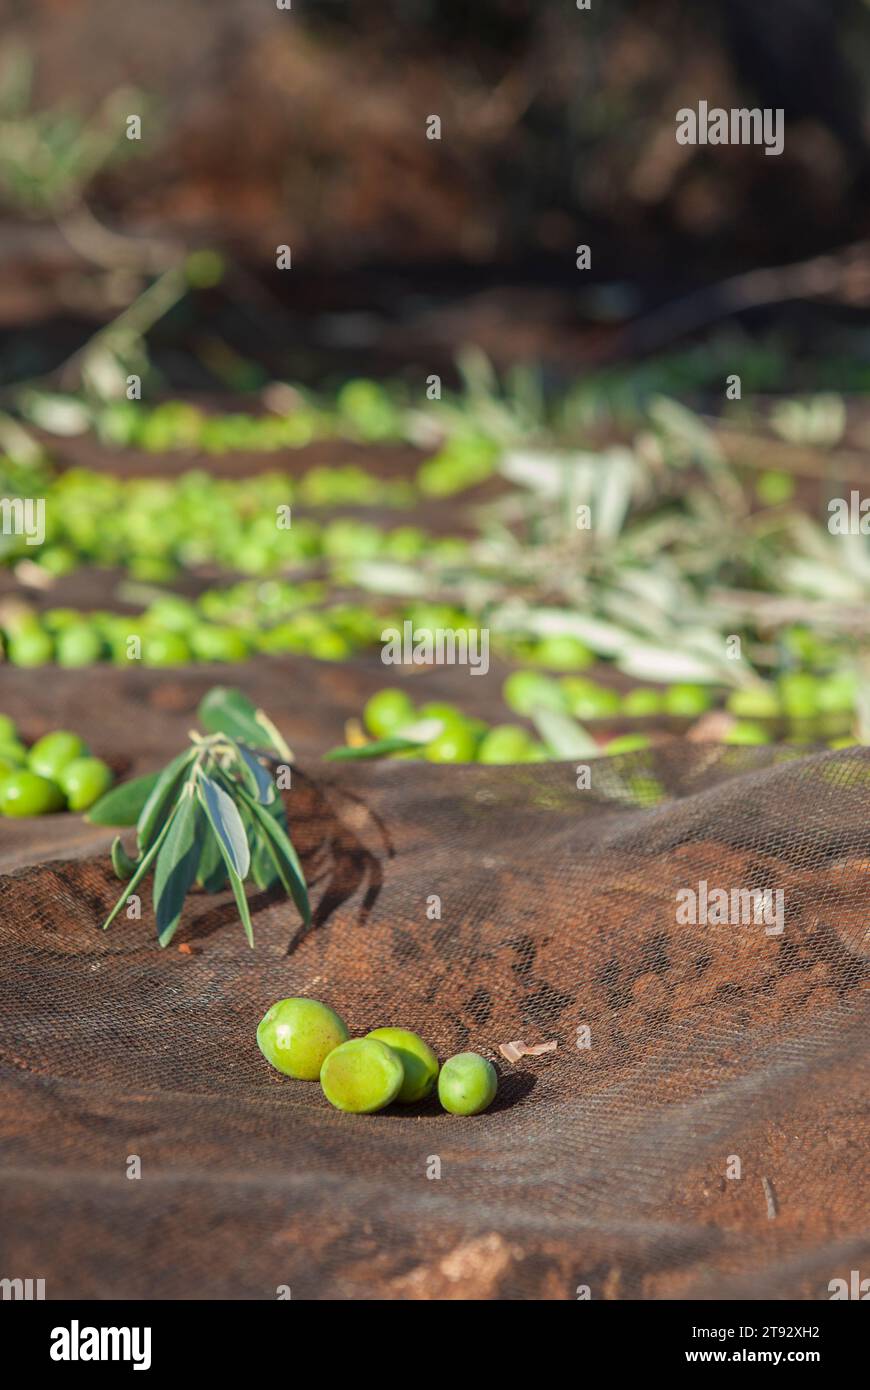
(712, 1049)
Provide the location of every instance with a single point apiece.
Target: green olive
(25, 793)
(457, 743)
(387, 711)
(84, 781)
(78, 645)
(626, 743)
(218, 643)
(467, 1084)
(418, 1061)
(562, 653)
(642, 702)
(296, 1035)
(362, 1076)
(51, 753)
(505, 743)
(686, 701)
(754, 702)
(165, 649)
(30, 648)
(746, 732)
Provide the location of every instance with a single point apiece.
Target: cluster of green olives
(361, 410)
(460, 739)
(56, 774)
(227, 625)
(308, 1040)
(156, 527)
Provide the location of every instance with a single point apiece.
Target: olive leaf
(123, 865)
(144, 865)
(227, 825)
(284, 856)
(212, 817)
(232, 841)
(255, 776)
(227, 711)
(123, 805)
(563, 735)
(211, 874)
(162, 795)
(176, 867)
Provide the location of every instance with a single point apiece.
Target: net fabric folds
(699, 1131)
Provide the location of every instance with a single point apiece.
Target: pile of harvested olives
(307, 1040)
(56, 774)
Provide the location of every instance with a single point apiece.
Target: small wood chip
(513, 1051)
(711, 727)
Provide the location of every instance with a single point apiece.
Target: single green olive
(362, 1076)
(24, 793)
(30, 648)
(418, 1061)
(457, 743)
(165, 649)
(746, 732)
(387, 711)
(562, 653)
(215, 643)
(51, 753)
(505, 743)
(754, 702)
(84, 781)
(78, 645)
(642, 702)
(296, 1035)
(686, 701)
(626, 743)
(467, 1084)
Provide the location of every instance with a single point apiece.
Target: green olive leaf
(227, 711)
(256, 778)
(123, 865)
(563, 735)
(163, 794)
(144, 866)
(284, 855)
(211, 872)
(123, 804)
(227, 825)
(176, 866)
(263, 869)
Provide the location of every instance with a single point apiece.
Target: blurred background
(423, 372)
(262, 127)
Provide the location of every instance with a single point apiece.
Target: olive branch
(211, 817)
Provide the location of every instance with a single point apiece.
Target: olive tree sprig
(212, 817)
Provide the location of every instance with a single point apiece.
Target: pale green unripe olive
(467, 1084)
(362, 1076)
(418, 1061)
(296, 1035)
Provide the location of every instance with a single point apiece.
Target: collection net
(699, 1130)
